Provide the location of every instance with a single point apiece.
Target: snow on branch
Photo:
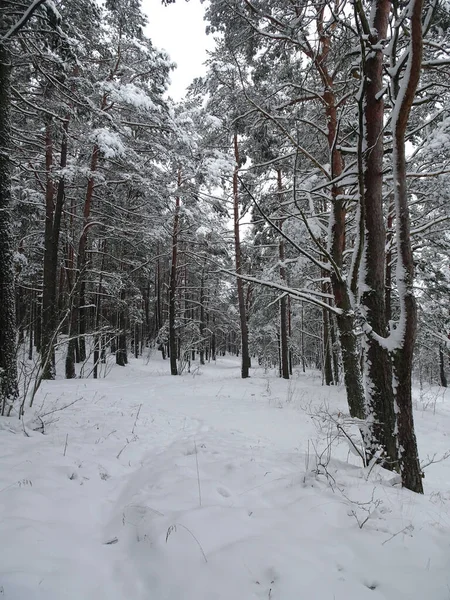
(26, 17)
(306, 295)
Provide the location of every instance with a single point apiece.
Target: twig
(355, 447)
(433, 460)
(41, 427)
(173, 528)
(137, 417)
(407, 528)
(43, 366)
(198, 475)
(122, 449)
(65, 445)
(24, 430)
(50, 412)
(111, 542)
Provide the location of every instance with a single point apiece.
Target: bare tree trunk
(377, 364)
(158, 309)
(407, 326)
(388, 284)
(76, 350)
(213, 339)
(326, 348)
(173, 351)
(442, 375)
(345, 319)
(350, 355)
(9, 391)
(245, 357)
(284, 345)
(202, 317)
(136, 342)
(82, 316)
(334, 349)
(121, 350)
(302, 338)
(53, 214)
(32, 311)
(98, 309)
(289, 312)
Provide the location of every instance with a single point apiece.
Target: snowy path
(203, 487)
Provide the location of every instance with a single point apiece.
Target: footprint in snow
(223, 492)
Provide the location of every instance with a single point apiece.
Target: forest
(290, 213)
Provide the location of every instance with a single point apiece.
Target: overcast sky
(180, 29)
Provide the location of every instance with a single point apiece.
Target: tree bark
(403, 356)
(389, 258)
(98, 314)
(345, 320)
(442, 375)
(202, 317)
(9, 390)
(53, 214)
(284, 345)
(173, 350)
(377, 365)
(327, 367)
(334, 349)
(76, 349)
(121, 350)
(245, 356)
(342, 297)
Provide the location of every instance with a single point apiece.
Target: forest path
(204, 487)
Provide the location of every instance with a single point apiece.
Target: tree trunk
(121, 348)
(53, 214)
(407, 325)
(76, 349)
(202, 317)
(9, 391)
(136, 341)
(334, 349)
(158, 308)
(284, 299)
(327, 366)
(71, 346)
(388, 283)
(350, 352)
(345, 320)
(213, 339)
(377, 365)
(289, 330)
(31, 326)
(442, 375)
(245, 356)
(82, 316)
(98, 309)
(121, 351)
(49, 281)
(173, 351)
(302, 337)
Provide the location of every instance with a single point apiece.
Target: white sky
(180, 29)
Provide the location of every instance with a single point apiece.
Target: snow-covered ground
(205, 487)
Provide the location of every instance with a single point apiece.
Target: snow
(109, 142)
(206, 486)
(129, 93)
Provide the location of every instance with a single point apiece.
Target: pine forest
(225, 318)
